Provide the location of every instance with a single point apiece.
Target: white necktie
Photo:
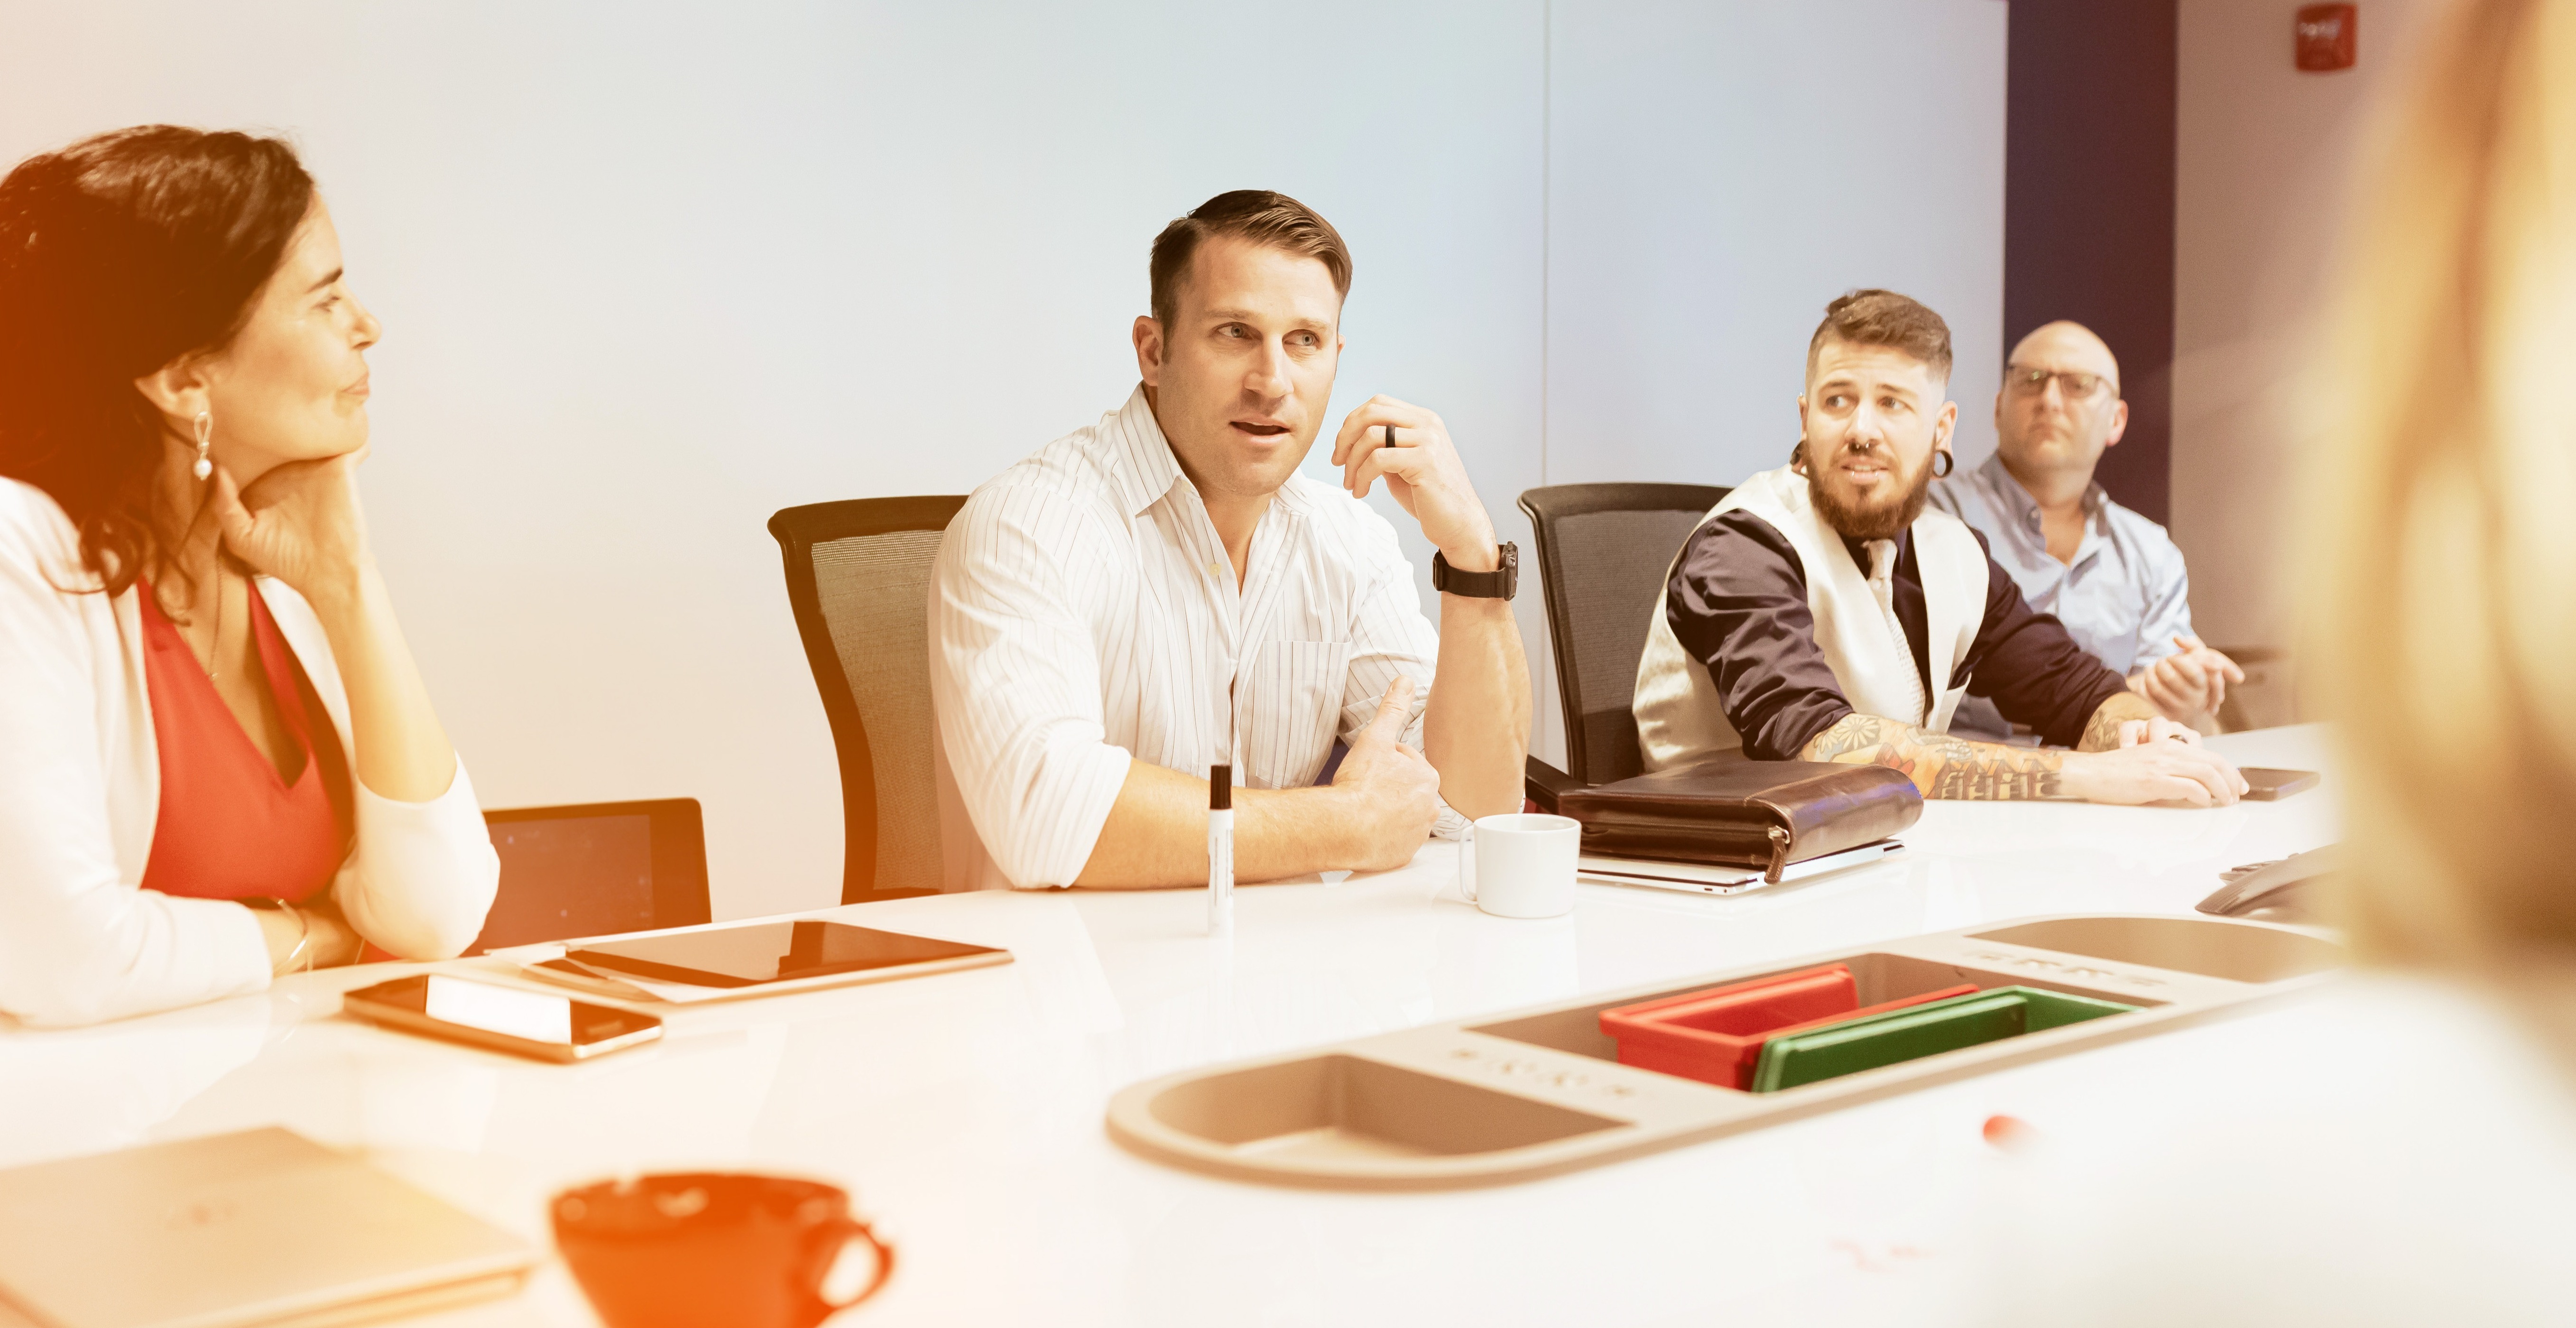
(1882, 571)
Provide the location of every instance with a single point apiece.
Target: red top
(229, 827)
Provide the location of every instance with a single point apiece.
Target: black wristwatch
(1501, 583)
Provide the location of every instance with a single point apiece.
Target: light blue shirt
(2124, 598)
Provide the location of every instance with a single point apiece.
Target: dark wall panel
(2089, 206)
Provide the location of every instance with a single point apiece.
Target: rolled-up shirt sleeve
(1015, 682)
(1737, 602)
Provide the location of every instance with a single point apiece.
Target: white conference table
(965, 1110)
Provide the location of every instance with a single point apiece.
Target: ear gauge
(205, 467)
(1943, 463)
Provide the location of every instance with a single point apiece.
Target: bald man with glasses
(2111, 576)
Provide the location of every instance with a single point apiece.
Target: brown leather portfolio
(1742, 813)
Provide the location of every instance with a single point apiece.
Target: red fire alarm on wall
(2323, 37)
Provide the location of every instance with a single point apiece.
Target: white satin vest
(1679, 719)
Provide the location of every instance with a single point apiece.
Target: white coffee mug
(1521, 864)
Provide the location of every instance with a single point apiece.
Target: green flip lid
(1923, 1030)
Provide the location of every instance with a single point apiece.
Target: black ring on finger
(1390, 434)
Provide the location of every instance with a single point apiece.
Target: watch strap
(1501, 583)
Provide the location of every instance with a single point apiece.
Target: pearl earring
(205, 440)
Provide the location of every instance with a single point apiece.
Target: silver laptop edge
(1699, 879)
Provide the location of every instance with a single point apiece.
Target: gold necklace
(215, 647)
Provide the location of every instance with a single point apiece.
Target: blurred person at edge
(2111, 577)
(218, 763)
(2400, 1148)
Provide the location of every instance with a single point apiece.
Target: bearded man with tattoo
(1822, 613)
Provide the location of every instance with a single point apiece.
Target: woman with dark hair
(218, 763)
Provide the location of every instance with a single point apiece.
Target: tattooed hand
(1940, 765)
(2107, 730)
(2132, 754)
(2135, 731)
(2146, 761)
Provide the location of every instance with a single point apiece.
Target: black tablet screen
(767, 952)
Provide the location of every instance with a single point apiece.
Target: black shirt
(1737, 602)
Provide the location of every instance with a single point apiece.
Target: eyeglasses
(2076, 386)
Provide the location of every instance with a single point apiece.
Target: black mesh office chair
(1603, 550)
(858, 576)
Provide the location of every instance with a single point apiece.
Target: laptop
(596, 869)
(1698, 878)
(264, 1227)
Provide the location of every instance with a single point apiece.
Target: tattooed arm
(2129, 755)
(1939, 764)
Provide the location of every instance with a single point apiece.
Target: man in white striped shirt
(1097, 608)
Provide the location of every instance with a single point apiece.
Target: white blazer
(80, 794)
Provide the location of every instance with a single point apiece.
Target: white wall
(650, 273)
(1720, 172)
(2265, 168)
(1717, 173)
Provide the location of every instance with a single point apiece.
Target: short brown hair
(1885, 318)
(1258, 215)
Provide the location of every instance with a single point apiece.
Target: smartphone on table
(2264, 785)
(526, 1023)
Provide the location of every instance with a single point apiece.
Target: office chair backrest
(595, 869)
(1602, 553)
(858, 577)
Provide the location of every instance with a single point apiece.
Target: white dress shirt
(80, 797)
(1084, 614)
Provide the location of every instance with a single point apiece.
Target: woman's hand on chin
(300, 523)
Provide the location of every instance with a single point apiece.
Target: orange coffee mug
(700, 1249)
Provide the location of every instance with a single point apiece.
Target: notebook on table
(264, 1227)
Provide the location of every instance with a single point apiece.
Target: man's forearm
(1156, 834)
(1940, 765)
(1476, 731)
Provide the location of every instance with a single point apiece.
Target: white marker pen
(1220, 850)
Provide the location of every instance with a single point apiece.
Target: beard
(1884, 519)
